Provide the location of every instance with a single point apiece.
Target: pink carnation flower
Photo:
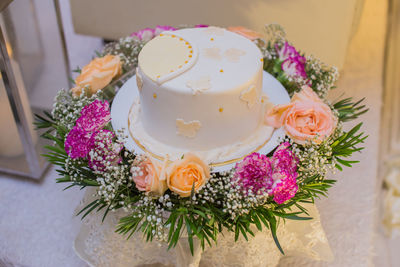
(285, 190)
(284, 163)
(94, 116)
(145, 34)
(76, 143)
(293, 64)
(103, 151)
(276, 175)
(286, 51)
(254, 173)
(294, 67)
(285, 159)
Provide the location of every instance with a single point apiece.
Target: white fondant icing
(200, 85)
(234, 54)
(250, 96)
(213, 53)
(187, 129)
(217, 154)
(266, 102)
(139, 80)
(212, 30)
(174, 100)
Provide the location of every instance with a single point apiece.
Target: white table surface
(37, 222)
(38, 226)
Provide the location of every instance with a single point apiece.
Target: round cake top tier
(178, 59)
(200, 90)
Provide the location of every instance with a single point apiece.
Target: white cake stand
(126, 96)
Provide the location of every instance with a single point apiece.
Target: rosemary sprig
(349, 110)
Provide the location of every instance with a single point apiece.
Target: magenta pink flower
(285, 190)
(103, 151)
(254, 173)
(293, 64)
(145, 34)
(284, 164)
(76, 143)
(276, 175)
(294, 67)
(159, 29)
(284, 159)
(94, 116)
(286, 51)
(201, 26)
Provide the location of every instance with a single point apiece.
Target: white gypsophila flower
(315, 159)
(67, 109)
(322, 76)
(127, 48)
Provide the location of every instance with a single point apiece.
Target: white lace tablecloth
(99, 245)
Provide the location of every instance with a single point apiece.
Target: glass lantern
(22, 80)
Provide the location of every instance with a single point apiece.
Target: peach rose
(305, 118)
(97, 74)
(150, 176)
(182, 174)
(249, 34)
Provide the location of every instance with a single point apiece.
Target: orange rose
(182, 174)
(97, 74)
(306, 118)
(150, 176)
(249, 34)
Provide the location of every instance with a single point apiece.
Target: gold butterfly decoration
(200, 85)
(213, 53)
(187, 129)
(139, 80)
(234, 54)
(249, 95)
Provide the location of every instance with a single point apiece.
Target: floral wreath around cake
(163, 199)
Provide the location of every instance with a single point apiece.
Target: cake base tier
(125, 112)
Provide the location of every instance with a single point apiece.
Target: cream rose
(306, 118)
(97, 74)
(150, 176)
(182, 174)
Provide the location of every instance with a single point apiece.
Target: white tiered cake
(200, 90)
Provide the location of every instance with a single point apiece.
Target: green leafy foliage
(348, 110)
(77, 70)
(346, 145)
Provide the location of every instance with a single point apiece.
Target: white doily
(99, 245)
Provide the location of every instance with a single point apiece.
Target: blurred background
(44, 40)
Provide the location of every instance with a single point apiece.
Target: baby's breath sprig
(127, 48)
(323, 78)
(67, 108)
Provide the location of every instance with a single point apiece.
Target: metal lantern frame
(36, 165)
